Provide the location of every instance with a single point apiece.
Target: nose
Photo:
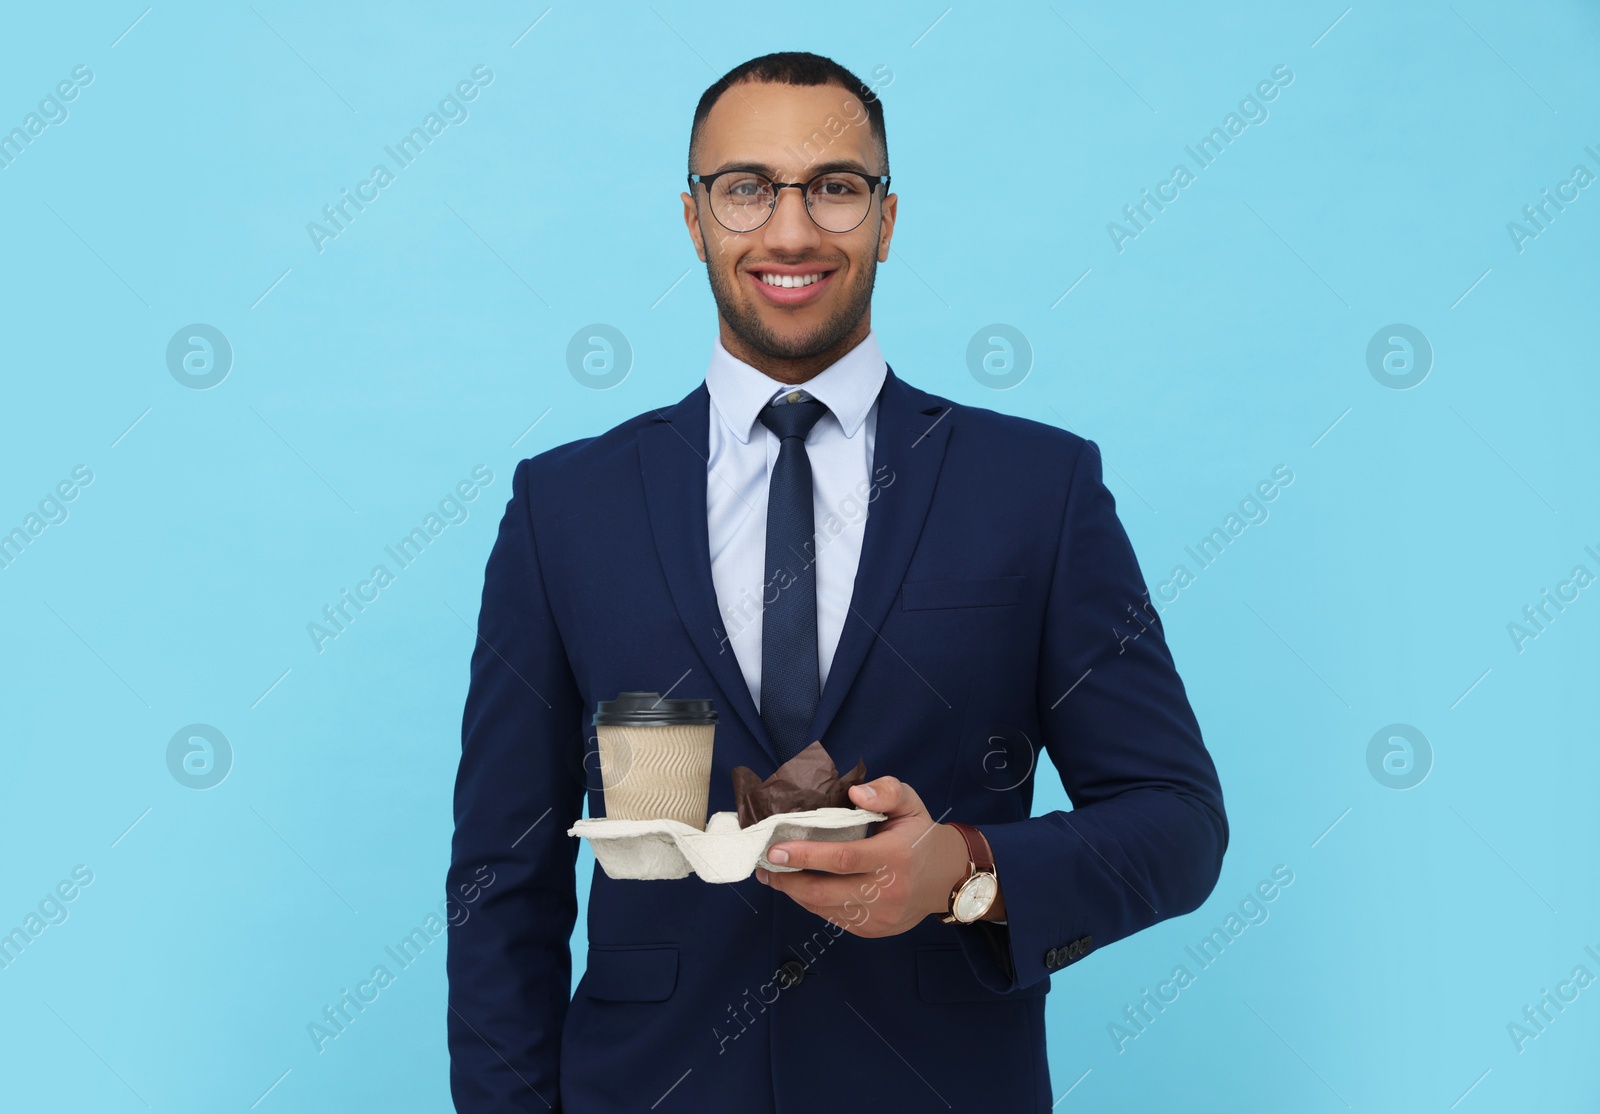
(790, 229)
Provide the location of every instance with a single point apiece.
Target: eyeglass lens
(837, 202)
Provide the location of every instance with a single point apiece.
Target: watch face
(975, 897)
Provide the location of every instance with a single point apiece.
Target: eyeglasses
(742, 200)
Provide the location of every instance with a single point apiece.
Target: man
(828, 553)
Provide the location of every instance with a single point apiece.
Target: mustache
(804, 261)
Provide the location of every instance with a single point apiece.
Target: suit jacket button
(1051, 957)
(791, 974)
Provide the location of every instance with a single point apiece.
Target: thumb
(888, 795)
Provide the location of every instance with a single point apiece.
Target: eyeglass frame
(873, 182)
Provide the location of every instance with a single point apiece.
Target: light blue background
(369, 378)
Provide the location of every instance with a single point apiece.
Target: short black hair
(793, 67)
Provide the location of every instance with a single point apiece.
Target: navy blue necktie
(791, 683)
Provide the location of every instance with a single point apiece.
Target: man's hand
(883, 885)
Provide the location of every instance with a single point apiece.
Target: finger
(821, 893)
(876, 793)
(835, 857)
(888, 795)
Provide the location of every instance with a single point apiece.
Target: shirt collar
(848, 387)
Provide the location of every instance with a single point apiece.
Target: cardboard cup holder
(724, 852)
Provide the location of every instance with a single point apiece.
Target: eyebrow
(812, 172)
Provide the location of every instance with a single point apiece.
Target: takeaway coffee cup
(655, 757)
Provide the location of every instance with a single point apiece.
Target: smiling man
(828, 553)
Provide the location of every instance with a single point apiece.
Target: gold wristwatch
(971, 897)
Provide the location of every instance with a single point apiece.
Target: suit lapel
(909, 445)
(913, 430)
(672, 455)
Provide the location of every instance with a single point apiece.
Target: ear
(691, 218)
(891, 205)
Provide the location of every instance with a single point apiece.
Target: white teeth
(789, 280)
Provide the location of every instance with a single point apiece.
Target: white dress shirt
(739, 467)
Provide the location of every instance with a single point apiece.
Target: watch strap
(977, 848)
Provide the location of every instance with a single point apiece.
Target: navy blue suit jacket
(998, 613)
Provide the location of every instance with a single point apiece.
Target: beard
(746, 324)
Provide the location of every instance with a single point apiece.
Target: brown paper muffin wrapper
(808, 780)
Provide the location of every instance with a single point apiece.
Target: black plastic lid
(648, 709)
